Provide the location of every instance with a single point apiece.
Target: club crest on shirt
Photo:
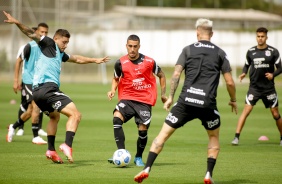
(250, 97)
(267, 53)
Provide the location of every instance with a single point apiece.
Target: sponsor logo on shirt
(171, 118)
(139, 85)
(195, 101)
(258, 63)
(199, 44)
(196, 91)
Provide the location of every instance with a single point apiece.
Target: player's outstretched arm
(26, 30)
(85, 60)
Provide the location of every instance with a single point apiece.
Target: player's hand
(168, 103)
(102, 60)
(234, 107)
(242, 76)
(164, 98)
(16, 87)
(10, 19)
(111, 94)
(269, 76)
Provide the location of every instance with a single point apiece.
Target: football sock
(51, 142)
(237, 135)
(40, 119)
(69, 138)
(34, 127)
(18, 123)
(281, 137)
(22, 109)
(151, 159)
(141, 142)
(211, 163)
(118, 133)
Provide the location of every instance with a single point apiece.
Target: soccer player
(262, 60)
(202, 61)
(134, 76)
(46, 83)
(29, 54)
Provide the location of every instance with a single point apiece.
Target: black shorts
(49, 98)
(141, 111)
(26, 95)
(269, 98)
(181, 113)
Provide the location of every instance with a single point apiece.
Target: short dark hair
(42, 24)
(63, 33)
(262, 30)
(134, 38)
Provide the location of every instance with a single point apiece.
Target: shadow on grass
(238, 181)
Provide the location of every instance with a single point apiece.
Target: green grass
(183, 159)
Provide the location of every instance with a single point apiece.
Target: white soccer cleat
(208, 179)
(281, 143)
(42, 132)
(20, 132)
(235, 141)
(11, 133)
(38, 140)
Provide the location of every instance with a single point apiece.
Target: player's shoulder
(147, 58)
(252, 49)
(270, 48)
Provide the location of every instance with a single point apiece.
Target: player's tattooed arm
(26, 30)
(175, 79)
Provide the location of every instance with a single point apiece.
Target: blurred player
(28, 108)
(202, 61)
(262, 60)
(46, 83)
(134, 76)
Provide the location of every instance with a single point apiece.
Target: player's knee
(276, 117)
(143, 134)
(117, 122)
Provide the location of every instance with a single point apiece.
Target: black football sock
(69, 138)
(151, 159)
(118, 133)
(141, 142)
(51, 142)
(237, 135)
(34, 127)
(281, 137)
(40, 120)
(211, 163)
(18, 123)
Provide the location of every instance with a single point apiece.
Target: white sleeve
(20, 52)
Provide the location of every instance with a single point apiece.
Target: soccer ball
(121, 157)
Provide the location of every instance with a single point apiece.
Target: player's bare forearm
(85, 60)
(162, 79)
(26, 30)
(175, 79)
